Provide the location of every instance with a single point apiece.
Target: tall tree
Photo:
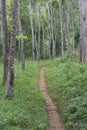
(21, 41)
(49, 30)
(10, 78)
(38, 44)
(4, 40)
(52, 32)
(32, 28)
(66, 28)
(61, 23)
(83, 30)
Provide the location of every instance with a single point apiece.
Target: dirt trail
(55, 122)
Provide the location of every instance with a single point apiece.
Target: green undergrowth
(67, 83)
(27, 109)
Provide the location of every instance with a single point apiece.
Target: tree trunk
(49, 30)
(52, 32)
(66, 28)
(32, 28)
(73, 28)
(43, 42)
(38, 44)
(61, 23)
(10, 78)
(83, 30)
(21, 41)
(4, 41)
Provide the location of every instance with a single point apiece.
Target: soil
(55, 122)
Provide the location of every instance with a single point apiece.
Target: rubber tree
(32, 29)
(61, 24)
(39, 24)
(83, 30)
(4, 31)
(21, 41)
(10, 77)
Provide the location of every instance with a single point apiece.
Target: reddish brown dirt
(55, 122)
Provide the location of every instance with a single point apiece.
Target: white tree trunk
(32, 28)
(38, 44)
(43, 41)
(49, 30)
(52, 32)
(61, 23)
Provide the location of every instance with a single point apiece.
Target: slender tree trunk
(19, 52)
(83, 30)
(10, 78)
(4, 41)
(32, 28)
(22, 54)
(49, 25)
(52, 32)
(43, 41)
(66, 28)
(19, 31)
(73, 28)
(61, 23)
(0, 14)
(21, 41)
(38, 44)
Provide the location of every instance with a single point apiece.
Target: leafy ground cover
(67, 83)
(27, 110)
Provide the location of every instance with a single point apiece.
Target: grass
(27, 110)
(67, 82)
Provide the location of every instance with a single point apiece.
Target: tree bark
(49, 25)
(10, 78)
(52, 32)
(61, 23)
(83, 30)
(43, 41)
(4, 40)
(38, 44)
(32, 28)
(66, 28)
(21, 41)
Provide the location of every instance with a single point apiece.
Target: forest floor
(55, 122)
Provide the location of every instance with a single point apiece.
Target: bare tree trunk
(0, 13)
(10, 78)
(73, 28)
(49, 22)
(21, 41)
(4, 41)
(52, 32)
(43, 42)
(83, 30)
(38, 44)
(22, 54)
(32, 28)
(66, 27)
(61, 23)
(19, 52)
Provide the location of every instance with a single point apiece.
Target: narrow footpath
(55, 122)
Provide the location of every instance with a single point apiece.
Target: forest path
(55, 122)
